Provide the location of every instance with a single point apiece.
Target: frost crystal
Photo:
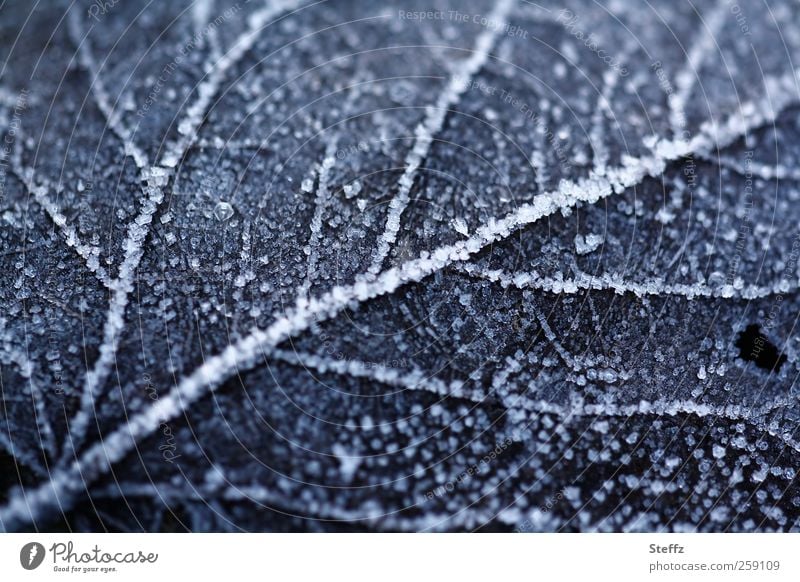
(223, 211)
(586, 244)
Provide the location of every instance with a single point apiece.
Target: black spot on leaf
(755, 347)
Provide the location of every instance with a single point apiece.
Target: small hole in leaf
(755, 347)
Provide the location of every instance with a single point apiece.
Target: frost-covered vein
(221, 487)
(602, 111)
(552, 338)
(321, 200)
(66, 484)
(751, 168)
(511, 400)
(217, 143)
(89, 253)
(228, 491)
(201, 15)
(702, 46)
(21, 456)
(155, 179)
(45, 430)
(218, 485)
(110, 112)
(115, 320)
(459, 82)
(539, 161)
(246, 273)
(437, 44)
(561, 285)
(663, 408)
(207, 89)
(413, 379)
(574, 363)
(407, 379)
(781, 92)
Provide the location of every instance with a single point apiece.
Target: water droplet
(223, 211)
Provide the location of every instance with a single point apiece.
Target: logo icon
(31, 555)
